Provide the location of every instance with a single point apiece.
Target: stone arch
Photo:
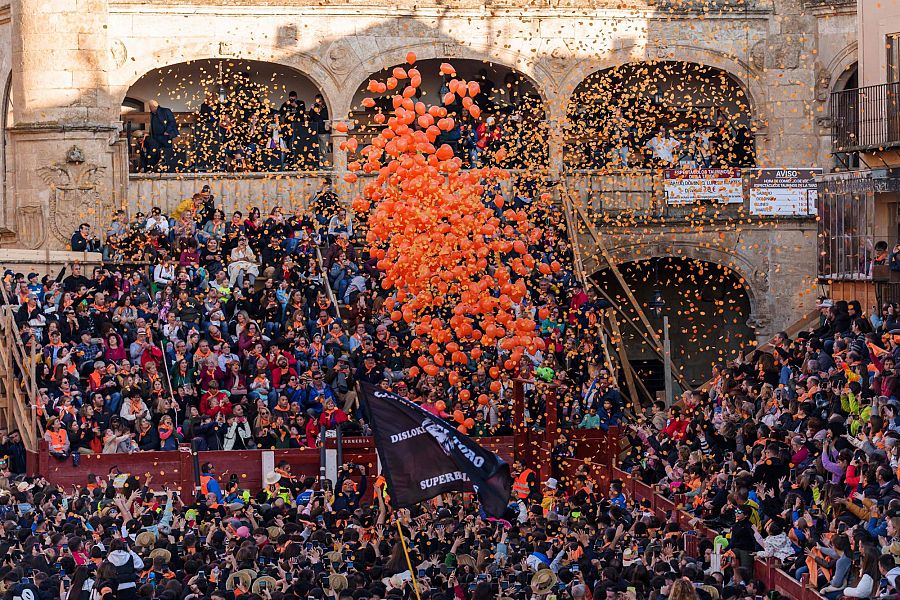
(449, 51)
(840, 67)
(755, 279)
(709, 307)
(744, 75)
(304, 63)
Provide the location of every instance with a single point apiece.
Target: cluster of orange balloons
(456, 270)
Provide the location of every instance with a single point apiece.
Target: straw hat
(145, 539)
(266, 581)
(272, 478)
(274, 532)
(338, 582)
(335, 556)
(543, 581)
(465, 560)
(167, 556)
(244, 576)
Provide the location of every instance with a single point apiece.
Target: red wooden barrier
(176, 469)
(766, 571)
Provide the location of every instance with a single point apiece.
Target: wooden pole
(658, 350)
(408, 561)
(623, 358)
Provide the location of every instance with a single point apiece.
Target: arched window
(659, 114)
(512, 118)
(232, 115)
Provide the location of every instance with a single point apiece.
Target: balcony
(638, 198)
(623, 198)
(866, 119)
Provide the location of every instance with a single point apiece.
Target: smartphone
(421, 573)
(575, 569)
(201, 574)
(263, 585)
(504, 585)
(65, 547)
(26, 581)
(66, 583)
(326, 582)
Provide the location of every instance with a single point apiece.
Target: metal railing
(866, 118)
(633, 197)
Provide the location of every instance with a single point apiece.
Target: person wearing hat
(263, 584)
(549, 500)
(543, 584)
(242, 578)
(273, 489)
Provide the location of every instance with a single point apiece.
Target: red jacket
(675, 429)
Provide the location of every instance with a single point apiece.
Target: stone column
(339, 156)
(555, 144)
(64, 121)
(556, 123)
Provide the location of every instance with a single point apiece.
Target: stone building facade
(68, 65)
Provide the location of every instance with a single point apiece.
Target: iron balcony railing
(866, 119)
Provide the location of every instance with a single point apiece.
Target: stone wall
(74, 61)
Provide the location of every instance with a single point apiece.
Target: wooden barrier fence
(766, 571)
(176, 469)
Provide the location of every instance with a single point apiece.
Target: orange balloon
(464, 395)
(469, 423)
(483, 400)
(411, 58)
(341, 126)
(458, 416)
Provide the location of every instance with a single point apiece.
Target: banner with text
(424, 456)
(783, 192)
(692, 186)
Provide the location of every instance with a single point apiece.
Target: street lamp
(657, 304)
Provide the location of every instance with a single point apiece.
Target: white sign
(692, 186)
(783, 192)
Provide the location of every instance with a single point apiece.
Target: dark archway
(509, 100)
(707, 304)
(226, 111)
(615, 114)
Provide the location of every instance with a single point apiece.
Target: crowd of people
(245, 133)
(232, 333)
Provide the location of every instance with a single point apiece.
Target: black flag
(424, 456)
